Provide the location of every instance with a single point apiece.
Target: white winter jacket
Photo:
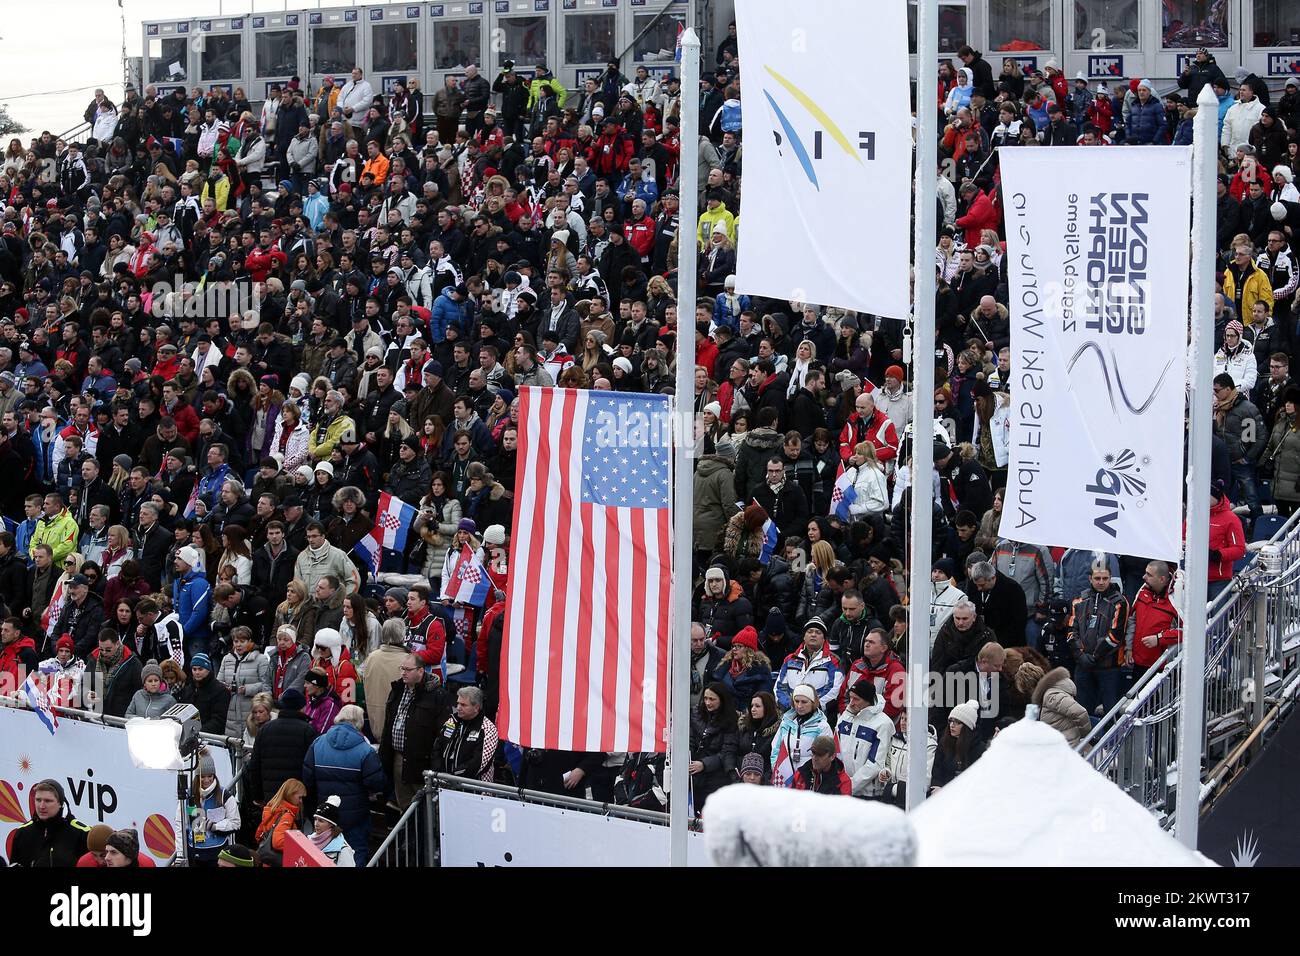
(1239, 121)
(873, 492)
(864, 740)
(1000, 427)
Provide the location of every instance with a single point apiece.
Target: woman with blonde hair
(72, 563)
(117, 553)
(659, 295)
(744, 669)
(804, 357)
(294, 605)
(869, 482)
(593, 350)
(260, 713)
(820, 562)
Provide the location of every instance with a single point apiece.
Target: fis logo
(825, 129)
(1105, 66)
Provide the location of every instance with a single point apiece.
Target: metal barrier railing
(413, 839)
(1252, 640)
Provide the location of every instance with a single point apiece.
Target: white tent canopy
(1030, 800)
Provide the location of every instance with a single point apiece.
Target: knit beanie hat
(966, 714)
(151, 670)
(236, 855)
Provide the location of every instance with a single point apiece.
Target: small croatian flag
(369, 549)
(40, 703)
(771, 537)
(469, 583)
(844, 493)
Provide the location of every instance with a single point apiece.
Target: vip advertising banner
(1098, 271)
(481, 830)
(827, 149)
(93, 765)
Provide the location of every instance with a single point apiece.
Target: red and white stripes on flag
(586, 644)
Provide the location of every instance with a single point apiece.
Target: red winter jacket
(261, 262)
(13, 670)
(980, 215)
(1100, 114)
(640, 235)
(889, 677)
(1154, 614)
(613, 151)
(187, 420)
(879, 430)
(1226, 537)
(706, 354)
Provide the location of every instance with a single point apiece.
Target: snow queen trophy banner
(1098, 281)
(827, 148)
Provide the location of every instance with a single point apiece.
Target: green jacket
(535, 90)
(59, 532)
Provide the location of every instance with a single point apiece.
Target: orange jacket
(281, 820)
(379, 167)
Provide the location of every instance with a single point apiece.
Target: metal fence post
(1259, 664)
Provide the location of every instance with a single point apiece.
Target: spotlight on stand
(167, 742)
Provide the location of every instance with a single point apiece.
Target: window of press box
(456, 44)
(276, 53)
(523, 39)
(168, 61)
(1105, 25)
(333, 51)
(1277, 23)
(659, 43)
(1016, 25)
(394, 48)
(952, 27)
(1189, 24)
(589, 38)
(222, 57)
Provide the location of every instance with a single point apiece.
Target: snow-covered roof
(747, 825)
(1030, 800)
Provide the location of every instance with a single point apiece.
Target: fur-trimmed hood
(1058, 678)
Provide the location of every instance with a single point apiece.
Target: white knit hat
(804, 690)
(967, 713)
(494, 535)
(190, 555)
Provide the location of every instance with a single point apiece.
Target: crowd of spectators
(184, 487)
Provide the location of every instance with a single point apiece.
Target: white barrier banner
(1098, 285)
(828, 148)
(92, 764)
(480, 830)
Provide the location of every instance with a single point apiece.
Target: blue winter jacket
(314, 208)
(444, 312)
(342, 763)
(192, 600)
(1146, 124)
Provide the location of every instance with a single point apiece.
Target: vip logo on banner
(823, 140)
(1098, 347)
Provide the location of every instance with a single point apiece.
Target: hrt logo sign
(1284, 64)
(864, 143)
(1105, 66)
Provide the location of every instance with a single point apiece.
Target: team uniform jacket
(823, 674)
(864, 740)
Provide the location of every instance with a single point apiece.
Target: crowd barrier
(88, 755)
(1252, 658)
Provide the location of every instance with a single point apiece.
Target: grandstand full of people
(183, 488)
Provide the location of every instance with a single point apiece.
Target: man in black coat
(112, 675)
(784, 501)
(467, 744)
(82, 615)
(280, 749)
(1000, 602)
(15, 583)
(95, 491)
(415, 710)
(53, 837)
(152, 542)
(804, 413)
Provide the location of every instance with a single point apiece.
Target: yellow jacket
(321, 450)
(59, 532)
(222, 195)
(1257, 288)
(710, 218)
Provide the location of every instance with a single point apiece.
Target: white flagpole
(922, 514)
(679, 722)
(1196, 559)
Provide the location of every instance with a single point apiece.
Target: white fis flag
(827, 148)
(1098, 285)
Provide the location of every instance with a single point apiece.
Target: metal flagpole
(922, 512)
(679, 722)
(1196, 560)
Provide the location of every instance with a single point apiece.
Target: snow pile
(747, 825)
(1032, 801)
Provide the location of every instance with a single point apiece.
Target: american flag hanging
(585, 654)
